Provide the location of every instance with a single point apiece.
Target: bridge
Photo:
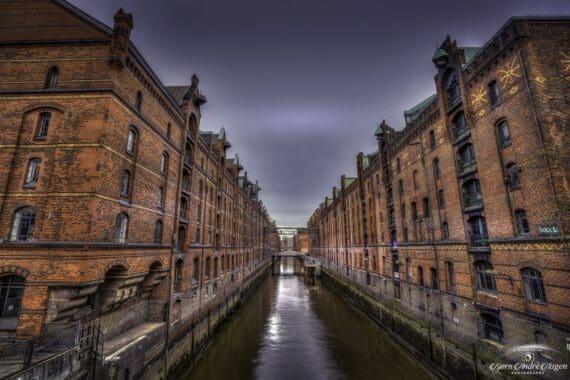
(311, 266)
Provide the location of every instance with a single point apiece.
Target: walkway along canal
(292, 329)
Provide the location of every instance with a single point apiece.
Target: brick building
(462, 218)
(113, 203)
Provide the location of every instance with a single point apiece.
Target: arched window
(207, 269)
(452, 89)
(444, 231)
(11, 294)
(398, 164)
(178, 269)
(521, 222)
(494, 95)
(414, 211)
(160, 198)
(389, 196)
(23, 224)
(533, 285)
(504, 134)
(33, 172)
(401, 187)
(436, 168)
(184, 208)
(434, 279)
(121, 228)
(215, 267)
(432, 139)
(466, 159)
(426, 207)
(408, 269)
(512, 177)
(164, 163)
(403, 211)
(43, 125)
(485, 276)
(420, 276)
(131, 141)
(492, 327)
(440, 199)
(158, 228)
(478, 231)
(472, 194)
(197, 238)
(181, 239)
(196, 270)
(415, 179)
(168, 130)
(185, 180)
(406, 238)
(138, 101)
(125, 182)
(460, 127)
(450, 275)
(52, 77)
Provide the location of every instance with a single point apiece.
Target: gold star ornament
(511, 72)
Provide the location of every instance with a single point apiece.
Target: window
(492, 327)
(158, 228)
(478, 231)
(160, 198)
(460, 125)
(11, 294)
(415, 179)
(33, 172)
(434, 279)
(215, 267)
(472, 194)
(178, 268)
(450, 275)
(494, 95)
(168, 130)
(452, 89)
(512, 177)
(397, 294)
(466, 159)
(432, 139)
(398, 165)
(185, 180)
(425, 204)
(197, 237)
(138, 101)
(43, 125)
(406, 235)
(207, 269)
(533, 285)
(131, 141)
(420, 276)
(408, 269)
(504, 134)
(121, 228)
(23, 224)
(196, 271)
(403, 211)
(125, 182)
(164, 163)
(440, 199)
(52, 77)
(401, 187)
(521, 222)
(436, 168)
(444, 231)
(184, 208)
(485, 276)
(414, 211)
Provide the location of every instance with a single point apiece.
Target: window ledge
(29, 186)
(40, 138)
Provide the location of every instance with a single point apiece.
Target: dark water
(291, 330)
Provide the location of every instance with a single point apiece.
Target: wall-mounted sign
(548, 229)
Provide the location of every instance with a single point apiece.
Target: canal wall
(193, 335)
(446, 358)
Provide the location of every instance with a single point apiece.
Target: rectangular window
(33, 172)
(494, 94)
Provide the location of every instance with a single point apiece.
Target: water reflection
(291, 330)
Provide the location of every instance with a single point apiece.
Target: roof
(469, 53)
(348, 181)
(365, 162)
(178, 93)
(413, 113)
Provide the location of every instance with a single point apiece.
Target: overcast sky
(300, 85)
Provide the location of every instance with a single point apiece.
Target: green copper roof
(365, 162)
(413, 113)
(329, 201)
(337, 193)
(438, 54)
(348, 182)
(470, 53)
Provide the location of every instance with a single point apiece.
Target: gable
(45, 20)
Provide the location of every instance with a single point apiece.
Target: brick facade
(114, 145)
(461, 218)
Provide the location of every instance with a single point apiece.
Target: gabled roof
(178, 93)
(470, 53)
(413, 113)
(348, 181)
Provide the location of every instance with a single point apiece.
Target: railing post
(29, 353)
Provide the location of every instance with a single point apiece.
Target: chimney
(119, 49)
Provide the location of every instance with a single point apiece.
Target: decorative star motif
(481, 113)
(540, 79)
(478, 97)
(513, 90)
(510, 72)
(565, 60)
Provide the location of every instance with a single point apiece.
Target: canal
(289, 329)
